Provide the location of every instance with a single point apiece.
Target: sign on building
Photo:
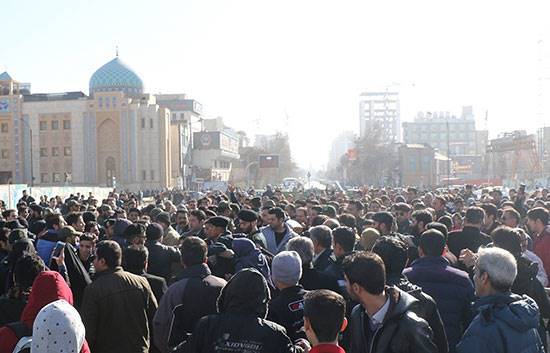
(269, 161)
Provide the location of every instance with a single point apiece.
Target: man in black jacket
(240, 323)
(135, 261)
(197, 292)
(394, 254)
(322, 245)
(384, 320)
(161, 257)
(470, 237)
(287, 309)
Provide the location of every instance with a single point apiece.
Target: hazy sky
(308, 60)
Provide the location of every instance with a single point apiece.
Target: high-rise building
(379, 114)
(543, 149)
(340, 145)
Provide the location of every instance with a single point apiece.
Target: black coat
(324, 260)
(158, 285)
(315, 279)
(425, 308)
(287, 310)
(467, 238)
(402, 330)
(161, 258)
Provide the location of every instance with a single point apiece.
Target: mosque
(117, 135)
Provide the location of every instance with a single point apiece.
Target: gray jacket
(269, 235)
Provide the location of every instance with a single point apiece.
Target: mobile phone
(59, 246)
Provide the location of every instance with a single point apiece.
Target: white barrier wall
(11, 193)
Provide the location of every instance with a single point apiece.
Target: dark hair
(345, 237)
(182, 211)
(317, 208)
(53, 220)
(325, 310)
(508, 239)
(89, 217)
(440, 227)
(511, 211)
(385, 218)
(357, 204)
(318, 220)
(474, 215)
(393, 252)
(447, 221)
(26, 269)
(367, 270)
(72, 218)
(193, 251)
(330, 211)
(539, 213)
(87, 237)
(88, 226)
(348, 220)
(322, 235)
(6, 213)
(135, 210)
(277, 211)
(199, 214)
(423, 216)
(135, 258)
(490, 209)
(109, 251)
(134, 230)
(432, 242)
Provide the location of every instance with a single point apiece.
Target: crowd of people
(374, 270)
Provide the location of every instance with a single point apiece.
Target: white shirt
(378, 317)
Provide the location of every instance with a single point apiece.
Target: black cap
(154, 231)
(247, 215)
(218, 221)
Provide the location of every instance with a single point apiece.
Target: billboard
(269, 161)
(206, 140)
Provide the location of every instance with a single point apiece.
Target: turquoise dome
(116, 76)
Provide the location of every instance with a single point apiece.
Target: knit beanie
(286, 268)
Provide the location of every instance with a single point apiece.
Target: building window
(44, 178)
(152, 174)
(144, 175)
(151, 123)
(100, 102)
(107, 102)
(43, 152)
(55, 124)
(143, 123)
(55, 151)
(5, 154)
(67, 152)
(66, 124)
(56, 177)
(4, 127)
(114, 101)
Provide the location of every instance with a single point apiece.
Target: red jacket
(541, 248)
(327, 348)
(48, 287)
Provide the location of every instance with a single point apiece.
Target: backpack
(24, 337)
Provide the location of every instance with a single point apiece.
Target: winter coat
(505, 323)
(118, 310)
(401, 331)
(48, 287)
(161, 258)
(197, 291)
(287, 309)
(240, 323)
(247, 255)
(272, 245)
(452, 290)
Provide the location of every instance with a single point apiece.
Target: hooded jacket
(247, 255)
(46, 244)
(48, 287)
(505, 323)
(240, 324)
(401, 331)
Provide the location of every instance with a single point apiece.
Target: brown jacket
(117, 311)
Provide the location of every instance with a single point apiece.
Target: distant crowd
(374, 270)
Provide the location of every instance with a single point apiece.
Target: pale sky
(308, 60)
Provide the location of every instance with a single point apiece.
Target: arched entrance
(110, 170)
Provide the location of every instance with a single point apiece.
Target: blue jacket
(505, 323)
(45, 246)
(269, 235)
(451, 289)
